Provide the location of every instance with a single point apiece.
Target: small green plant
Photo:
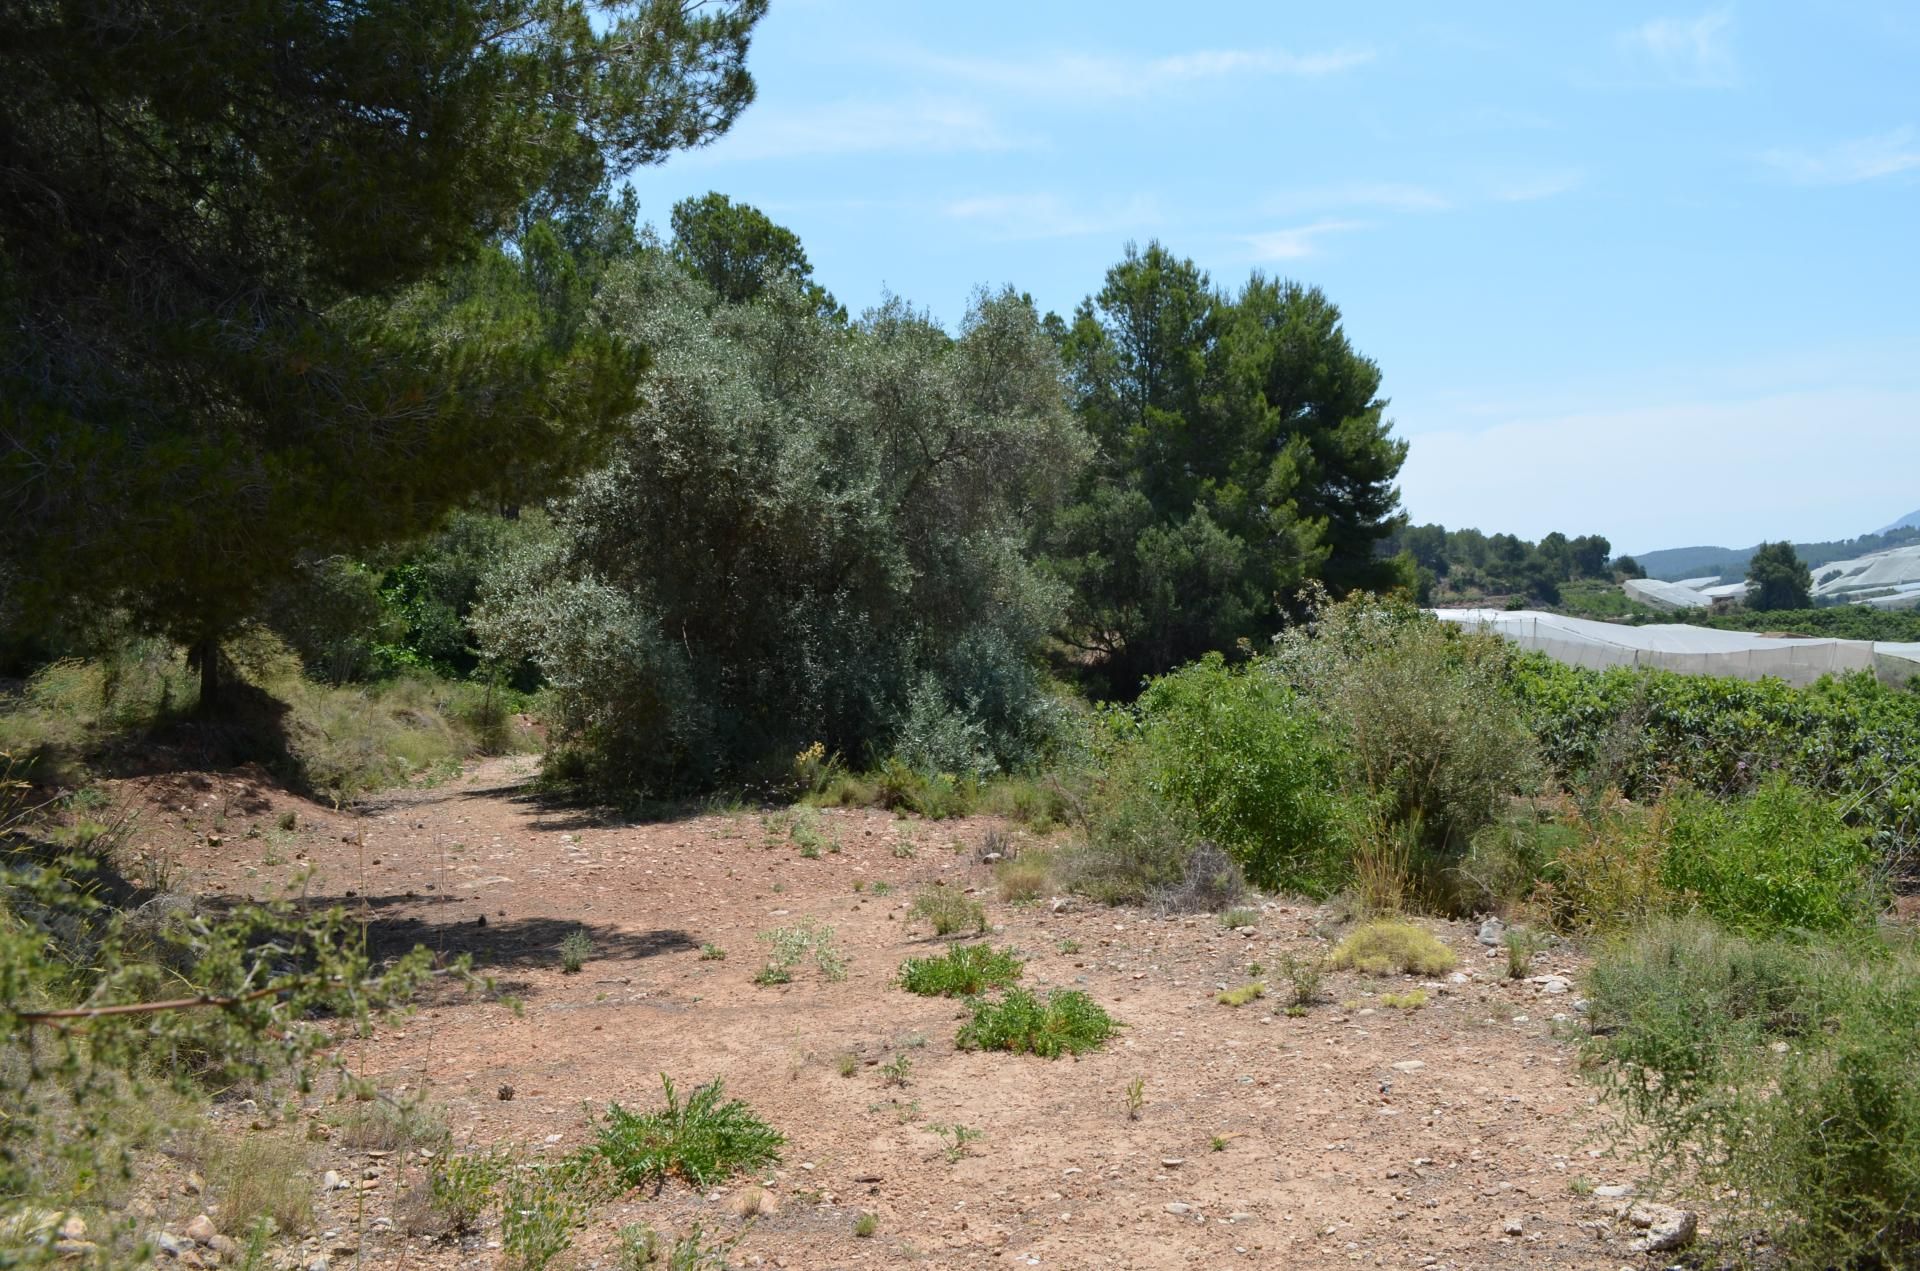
(1068, 947)
(948, 912)
(1251, 991)
(1581, 1186)
(1522, 943)
(846, 1063)
(882, 887)
(809, 851)
(539, 1212)
(896, 1071)
(865, 1225)
(965, 970)
(957, 1138)
(789, 946)
(903, 848)
(289, 821)
(1240, 916)
(1067, 1022)
(1136, 1098)
(1293, 1012)
(712, 953)
(1218, 1143)
(1304, 977)
(640, 1249)
(1411, 1000)
(1386, 947)
(460, 1189)
(575, 948)
(703, 1140)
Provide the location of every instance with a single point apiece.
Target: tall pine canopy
(1244, 450)
(252, 279)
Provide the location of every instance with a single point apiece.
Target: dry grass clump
(263, 1177)
(1028, 876)
(1252, 990)
(1386, 947)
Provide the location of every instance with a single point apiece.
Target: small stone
(1410, 1065)
(172, 1244)
(318, 1263)
(225, 1246)
(200, 1229)
(1513, 1227)
(74, 1228)
(1492, 932)
(332, 1182)
(1059, 904)
(194, 1185)
(75, 1248)
(1613, 1191)
(1178, 1207)
(1667, 1228)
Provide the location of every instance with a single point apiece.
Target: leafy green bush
(1068, 1022)
(703, 1140)
(1783, 1078)
(1233, 750)
(1851, 738)
(966, 970)
(1781, 857)
(1422, 713)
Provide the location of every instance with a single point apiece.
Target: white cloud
(1094, 76)
(1849, 162)
(1692, 51)
(1297, 243)
(1803, 464)
(860, 127)
(1019, 217)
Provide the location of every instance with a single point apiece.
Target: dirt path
(1457, 1135)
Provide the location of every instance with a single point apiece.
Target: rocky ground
(1453, 1135)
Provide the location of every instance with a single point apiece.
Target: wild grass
(263, 1176)
(1387, 948)
(789, 946)
(1251, 991)
(965, 970)
(948, 912)
(1028, 876)
(1067, 1022)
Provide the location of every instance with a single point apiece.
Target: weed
(386, 1124)
(1384, 947)
(865, 1225)
(903, 848)
(1068, 1022)
(789, 946)
(640, 1249)
(1217, 1143)
(809, 851)
(1248, 992)
(896, 1072)
(882, 888)
(1025, 877)
(575, 948)
(1581, 1186)
(1136, 1098)
(712, 953)
(846, 1063)
(538, 1215)
(948, 912)
(965, 970)
(289, 821)
(957, 1138)
(1411, 1000)
(460, 1189)
(1522, 943)
(1068, 947)
(1239, 917)
(262, 1177)
(702, 1140)
(1294, 1012)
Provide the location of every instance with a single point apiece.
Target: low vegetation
(702, 1139)
(1393, 948)
(966, 970)
(948, 912)
(1067, 1022)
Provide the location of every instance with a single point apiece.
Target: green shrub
(1383, 948)
(1251, 991)
(1605, 873)
(1068, 1022)
(703, 1140)
(575, 948)
(1781, 857)
(965, 970)
(1781, 1077)
(1234, 749)
(1422, 714)
(789, 946)
(948, 912)
(1136, 845)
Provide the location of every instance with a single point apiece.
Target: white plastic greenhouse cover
(1691, 650)
(1664, 595)
(1866, 576)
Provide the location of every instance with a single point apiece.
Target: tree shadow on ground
(494, 943)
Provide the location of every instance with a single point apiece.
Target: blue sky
(1644, 271)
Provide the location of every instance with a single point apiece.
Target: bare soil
(1457, 1135)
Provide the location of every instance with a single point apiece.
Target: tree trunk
(205, 654)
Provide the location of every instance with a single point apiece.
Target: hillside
(1675, 563)
(1910, 521)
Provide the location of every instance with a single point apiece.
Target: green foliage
(341, 349)
(1251, 991)
(704, 1140)
(958, 1139)
(1242, 449)
(1782, 1078)
(575, 948)
(1778, 579)
(1304, 977)
(948, 912)
(735, 250)
(692, 1250)
(805, 534)
(965, 970)
(789, 946)
(460, 1188)
(1067, 1022)
(1422, 713)
(1236, 757)
(1836, 622)
(1852, 739)
(1782, 858)
(1386, 948)
(1466, 564)
(539, 1212)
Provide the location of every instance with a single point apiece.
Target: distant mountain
(1675, 563)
